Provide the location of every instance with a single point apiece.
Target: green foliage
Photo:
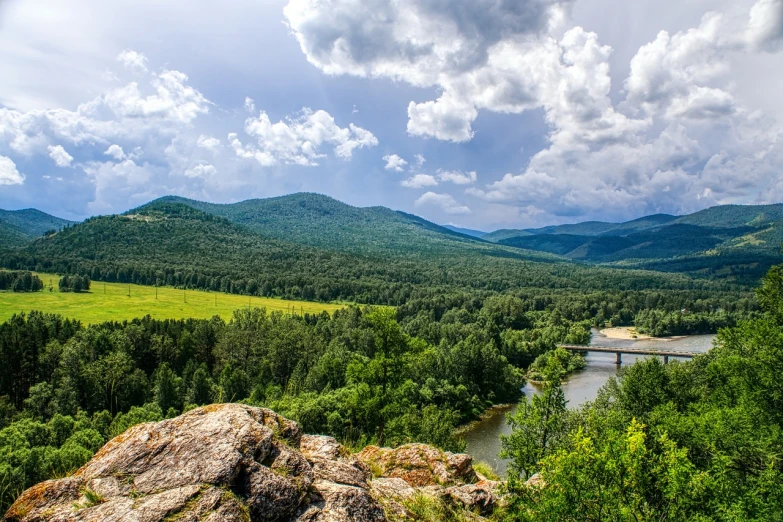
(538, 426)
(32, 451)
(74, 283)
(20, 281)
(559, 361)
(364, 375)
(699, 440)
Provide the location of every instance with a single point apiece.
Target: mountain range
(731, 242)
(727, 240)
(18, 227)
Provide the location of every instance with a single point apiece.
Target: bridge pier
(619, 360)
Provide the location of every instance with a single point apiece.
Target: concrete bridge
(632, 351)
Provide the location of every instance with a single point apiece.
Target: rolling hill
(168, 242)
(736, 241)
(17, 227)
(320, 221)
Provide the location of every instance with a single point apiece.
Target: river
(484, 437)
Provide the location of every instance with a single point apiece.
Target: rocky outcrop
(231, 462)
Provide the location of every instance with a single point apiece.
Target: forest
(699, 440)
(364, 375)
(696, 440)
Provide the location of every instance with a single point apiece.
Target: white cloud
(250, 105)
(298, 140)
(115, 151)
(201, 171)
(444, 201)
(60, 156)
(447, 119)
(765, 28)
(208, 142)
(480, 54)
(8, 173)
(175, 101)
(419, 181)
(133, 60)
(120, 113)
(121, 185)
(420, 159)
(457, 177)
(394, 162)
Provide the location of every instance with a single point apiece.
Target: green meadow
(117, 301)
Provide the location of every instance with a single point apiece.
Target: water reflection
(484, 439)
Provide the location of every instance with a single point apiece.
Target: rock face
(230, 462)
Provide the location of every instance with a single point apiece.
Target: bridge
(631, 351)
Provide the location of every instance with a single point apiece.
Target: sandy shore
(628, 333)
(623, 332)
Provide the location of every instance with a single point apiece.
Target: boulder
(420, 465)
(230, 462)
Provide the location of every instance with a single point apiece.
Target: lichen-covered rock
(231, 463)
(481, 496)
(420, 465)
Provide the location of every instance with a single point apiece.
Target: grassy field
(112, 302)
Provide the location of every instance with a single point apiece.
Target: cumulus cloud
(8, 173)
(445, 202)
(121, 113)
(394, 162)
(59, 155)
(420, 159)
(653, 143)
(208, 142)
(448, 118)
(121, 185)
(298, 140)
(419, 181)
(478, 53)
(201, 171)
(765, 28)
(133, 60)
(457, 177)
(115, 151)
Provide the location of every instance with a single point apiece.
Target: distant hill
(170, 242)
(737, 241)
(466, 231)
(588, 228)
(17, 227)
(320, 221)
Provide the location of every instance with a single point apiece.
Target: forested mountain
(466, 231)
(175, 244)
(736, 241)
(321, 221)
(17, 227)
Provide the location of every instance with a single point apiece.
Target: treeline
(659, 323)
(20, 281)
(699, 440)
(363, 375)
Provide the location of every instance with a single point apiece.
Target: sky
(484, 114)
